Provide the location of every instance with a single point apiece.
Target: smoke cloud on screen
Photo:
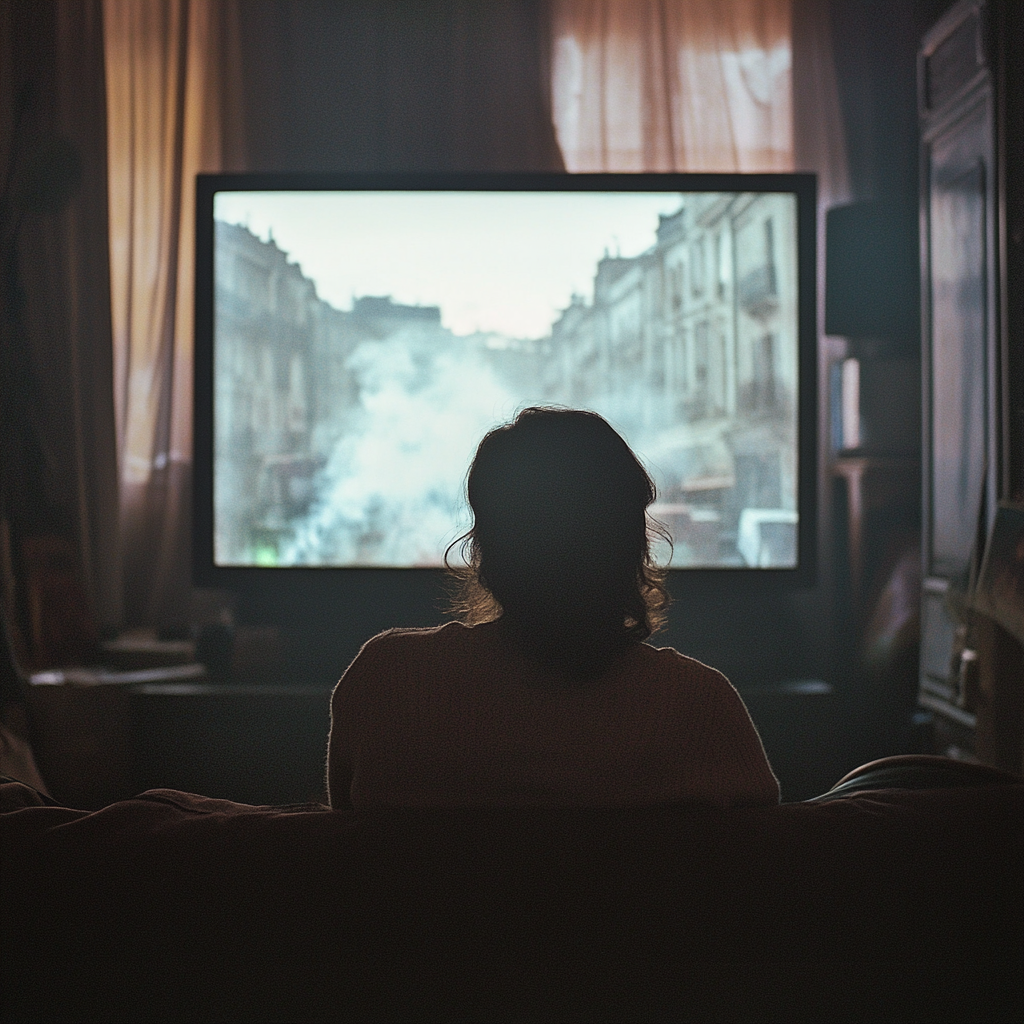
(395, 480)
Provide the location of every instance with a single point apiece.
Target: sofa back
(882, 905)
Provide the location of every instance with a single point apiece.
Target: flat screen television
(356, 335)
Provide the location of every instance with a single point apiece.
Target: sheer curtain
(657, 86)
(172, 77)
(696, 85)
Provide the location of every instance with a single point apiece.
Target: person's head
(560, 538)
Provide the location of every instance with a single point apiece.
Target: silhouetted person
(545, 692)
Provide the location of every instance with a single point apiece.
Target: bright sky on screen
(494, 262)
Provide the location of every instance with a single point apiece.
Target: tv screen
(356, 337)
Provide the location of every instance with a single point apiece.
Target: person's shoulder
(395, 652)
(402, 638)
(668, 661)
(694, 683)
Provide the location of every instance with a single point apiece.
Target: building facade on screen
(343, 436)
(693, 345)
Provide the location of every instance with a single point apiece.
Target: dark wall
(875, 53)
(873, 293)
(429, 86)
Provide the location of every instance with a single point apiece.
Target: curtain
(696, 85)
(819, 137)
(655, 85)
(173, 89)
(58, 476)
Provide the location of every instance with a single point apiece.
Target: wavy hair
(561, 539)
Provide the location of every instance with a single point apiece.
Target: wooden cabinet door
(958, 281)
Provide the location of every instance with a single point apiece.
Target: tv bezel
(276, 586)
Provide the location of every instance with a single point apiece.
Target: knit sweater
(459, 716)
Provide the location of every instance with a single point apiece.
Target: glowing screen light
(365, 342)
